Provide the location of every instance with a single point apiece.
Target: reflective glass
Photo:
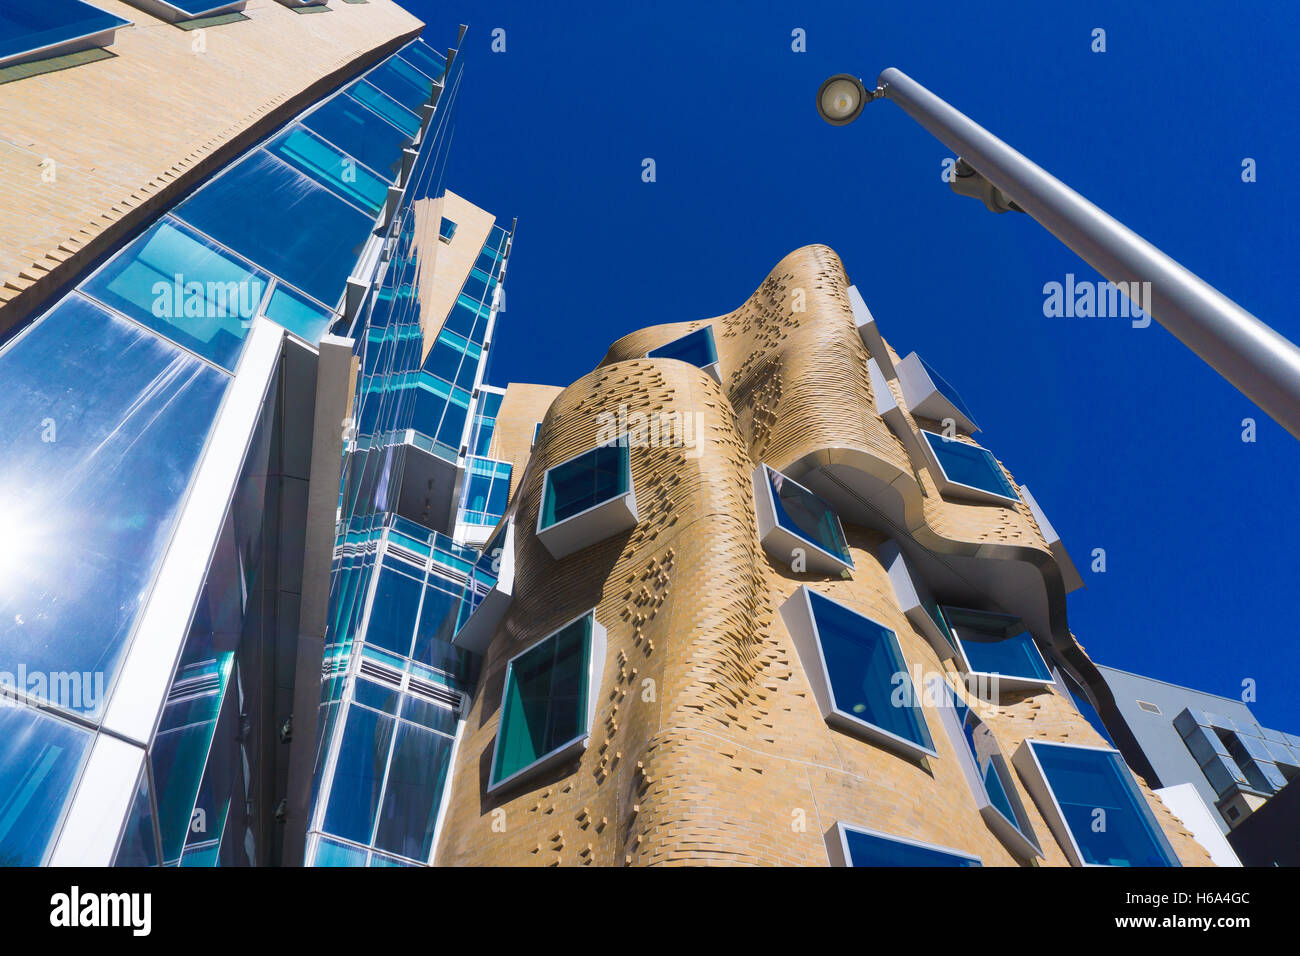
(402, 82)
(40, 758)
(984, 750)
(802, 513)
(425, 58)
(361, 133)
(867, 849)
(946, 390)
(544, 705)
(865, 665)
(335, 170)
(28, 27)
(970, 465)
(332, 853)
(993, 644)
(413, 793)
(385, 106)
(393, 612)
(109, 421)
(138, 847)
(297, 313)
(1084, 781)
(284, 222)
(359, 775)
(697, 348)
(180, 284)
(583, 482)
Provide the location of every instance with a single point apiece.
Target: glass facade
(544, 705)
(1100, 805)
(970, 465)
(585, 481)
(873, 849)
(864, 668)
(487, 488)
(806, 516)
(946, 390)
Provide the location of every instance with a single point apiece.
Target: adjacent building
(294, 584)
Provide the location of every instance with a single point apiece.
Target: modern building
(205, 208)
(1175, 735)
(294, 584)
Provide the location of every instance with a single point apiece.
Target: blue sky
(1128, 441)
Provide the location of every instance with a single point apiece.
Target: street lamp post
(1261, 363)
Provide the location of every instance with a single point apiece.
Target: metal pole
(1262, 364)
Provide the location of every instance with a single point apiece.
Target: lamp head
(841, 98)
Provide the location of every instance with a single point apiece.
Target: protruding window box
(996, 651)
(916, 601)
(988, 774)
(178, 11)
(51, 28)
(1092, 805)
(966, 470)
(928, 395)
(587, 499)
(548, 702)
(848, 845)
(791, 518)
(478, 631)
(858, 677)
(695, 348)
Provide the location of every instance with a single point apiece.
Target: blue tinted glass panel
(862, 661)
(1083, 781)
(180, 284)
(385, 106)
(335, 170)
(197, 8)
(426, 59)
(867, 849)
(983, 749)
(991, 652)
(94, 506)
(446, 229)
(970, 465)
(392, 615)
(584, 482)
(139, 845)
(359, 775)
(40, 758)
(697, 348)
(298, 314)
(946, 390)
(28, 27)
(359, 132)
(402, 82)
(331, 853)
(414, 792)
(284, 222)
(802, 513)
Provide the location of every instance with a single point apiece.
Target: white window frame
(1001, 681)
(948, 486)
(576, 745)
(837, 844)
(594, 524)
(800, 621)
(779, 541)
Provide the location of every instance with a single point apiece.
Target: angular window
(965, 469)
(486, 491)
(857, 673)
(384, 106)
(40, 759)
(855, 846)
(695, 348)
(282, 220)
(989, 776)
(184, 287)
(1095, 810)
(549, 700)
(298, 314)
(537, 431)
(402, 82)
(791, 518)
(428, 60)
(360, 132)
(929, 395)
(446, 229)
(997, 645)
(180, 10)
(37, 31)
(331, 167)
(587, 499)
